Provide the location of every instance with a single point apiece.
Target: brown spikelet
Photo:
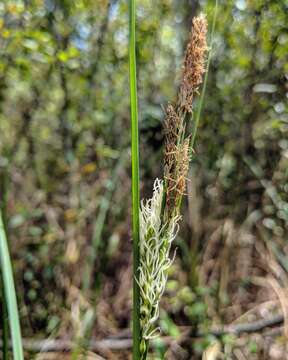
(194, 62)
(183, 166)
(172, 128)
(172, 124)
(176, 156)
(176, 171)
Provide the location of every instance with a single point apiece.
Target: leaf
(10, 294)
(212, 352)
(88, 168)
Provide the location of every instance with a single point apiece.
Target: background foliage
(64, 164)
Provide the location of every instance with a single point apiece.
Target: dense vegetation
(65, 170)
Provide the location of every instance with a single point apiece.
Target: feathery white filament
(155, 244)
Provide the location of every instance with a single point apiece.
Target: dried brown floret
(172, 124)
(175, 176)
(176, 156)
(194, 62)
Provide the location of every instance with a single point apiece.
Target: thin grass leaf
(10, 294)
(5, 325)
(135, 179)
(98, 226)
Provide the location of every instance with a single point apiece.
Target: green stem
(194, 254)
(135, 180)
(201, 101)
(5, 325)
(10, 294)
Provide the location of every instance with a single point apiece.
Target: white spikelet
(155, 244)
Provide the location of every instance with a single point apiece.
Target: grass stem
(201, 100)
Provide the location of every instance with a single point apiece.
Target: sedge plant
(160, 216)
(156, 221)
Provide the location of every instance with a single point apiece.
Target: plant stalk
(194, 250)
(201, 100)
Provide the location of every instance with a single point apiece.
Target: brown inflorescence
(176, 157)
(194, 62)
(176, 170)
(160, 215)
(172, 126)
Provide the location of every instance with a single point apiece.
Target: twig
(246, 327)
(114, 344)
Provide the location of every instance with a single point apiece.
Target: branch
(245, 327)
(114, 344)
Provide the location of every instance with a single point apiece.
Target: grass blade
(135, 179)
(5, 326)
(10, 294)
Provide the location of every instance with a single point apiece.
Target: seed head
(194, 61)
(176, 171)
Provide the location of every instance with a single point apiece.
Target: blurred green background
(65, 166)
